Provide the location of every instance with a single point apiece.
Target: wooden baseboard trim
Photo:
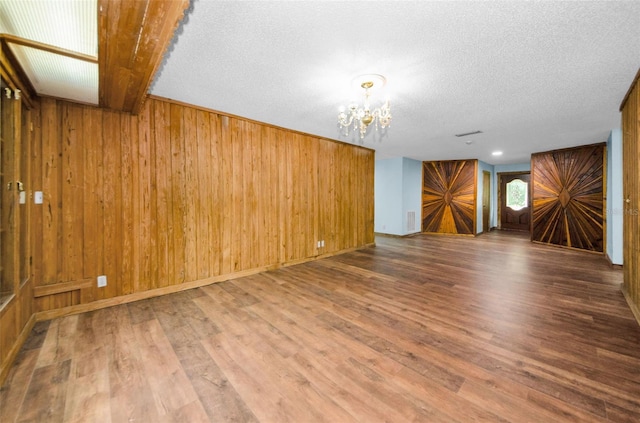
(15, 349)
(634, 308)
(124, 299)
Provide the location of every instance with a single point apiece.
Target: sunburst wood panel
(449, 196)
(568, 197)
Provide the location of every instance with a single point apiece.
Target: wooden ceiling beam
(132, 39)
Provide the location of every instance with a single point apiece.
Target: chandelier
(362, 117)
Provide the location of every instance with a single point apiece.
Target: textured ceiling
(532, 76)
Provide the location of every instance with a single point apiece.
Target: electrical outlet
(102, 281)
(322, 243)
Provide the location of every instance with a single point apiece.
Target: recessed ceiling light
(497, 153)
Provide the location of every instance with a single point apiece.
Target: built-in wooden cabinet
(16, 302)
(631, 190)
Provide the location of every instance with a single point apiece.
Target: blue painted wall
(388, 196)
(397, 190)
(411, 193)
(615, 205)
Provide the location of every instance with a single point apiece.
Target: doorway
(486, 201)
(514, 201)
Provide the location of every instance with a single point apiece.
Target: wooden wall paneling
(203, 198)
(191, 201)
(179, 193)
(292, 224)
(342, 186)
(51, 152)
(142, 204)
(177, 190)
(269, 187)
(236, 185)
(630, 109)
(164, 198)
(112, 192)
(217, 192)
(370, 195)
(72, 194)
(36, 185)
(127, 187)
(568, 197)
(226, 194)
(327, 194)
(259, 174)
(8, 332)
(249, 201)
(307, 203)
(93, 208)
(284, 184)
(449, 196)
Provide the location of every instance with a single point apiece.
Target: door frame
(486, 191)
(501, 194)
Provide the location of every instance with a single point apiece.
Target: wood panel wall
(449, 196)
(631, 190)
(177, 195)
(568, 197)
(17, 315)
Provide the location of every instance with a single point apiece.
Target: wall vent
(411, 221)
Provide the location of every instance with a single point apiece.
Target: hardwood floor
(425, 329)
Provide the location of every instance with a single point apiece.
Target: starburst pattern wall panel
(449, 196)
(568, 197)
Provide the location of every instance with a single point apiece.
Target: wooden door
(486, 201)
(515, 201)
(449, 196)
(631, 187)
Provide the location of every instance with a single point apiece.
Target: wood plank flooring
(420, 329)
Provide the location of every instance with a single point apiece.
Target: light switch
(37, 197)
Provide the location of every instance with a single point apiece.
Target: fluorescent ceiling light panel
(59, 76)
(68, 24)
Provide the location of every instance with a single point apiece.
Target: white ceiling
(532, 76)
